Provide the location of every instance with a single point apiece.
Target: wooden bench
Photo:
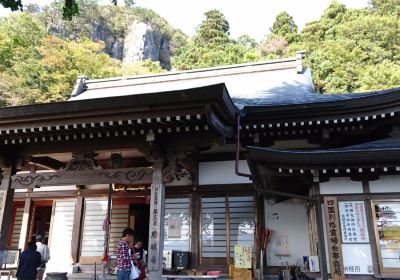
(171, 277)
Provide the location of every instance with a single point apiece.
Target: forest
(348, 50)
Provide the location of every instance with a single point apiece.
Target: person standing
(44, 251)
(29, 262)
(123, 257)
(138, 250)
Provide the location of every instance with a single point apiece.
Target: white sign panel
(357, 259)
(353, 222)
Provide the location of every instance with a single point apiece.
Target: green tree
(50, 74)
(247, 41)
(285, 27)
(69, 10)
(345, 47)
(214, 30)
(19, 35)
(386, 7)
(211, 46)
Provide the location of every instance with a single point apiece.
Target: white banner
(353, 222)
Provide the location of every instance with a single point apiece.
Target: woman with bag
(137, 272)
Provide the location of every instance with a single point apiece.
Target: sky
(252, 17)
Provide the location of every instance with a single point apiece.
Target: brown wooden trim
(171, 191)
(321, 238)
(228, 232)
(132, 176)
(195, 237)
(31, 222)
(226, 188)
(130, 200)
(369, 212)
(41, 203)
(76, 229)
(85, 193)
(11, 225)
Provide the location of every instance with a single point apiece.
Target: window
(61, 236)
(177, 224)
(241, 220)
(387, 224)
(213, 228)
(93, 233)
(226, 222)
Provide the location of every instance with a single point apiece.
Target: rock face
(142, 42)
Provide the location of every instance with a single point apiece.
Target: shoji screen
(177, 224)
(213, 227)
(92, 232)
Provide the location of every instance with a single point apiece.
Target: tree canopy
(69, 10)
(348, 50)
(212, 46)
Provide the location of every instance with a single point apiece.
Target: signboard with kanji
(242, 256)
(333, 238)
(353, 222)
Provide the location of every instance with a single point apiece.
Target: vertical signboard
(353, 222)
(334, 238)
(156, 230)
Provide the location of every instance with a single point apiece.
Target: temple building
(200, 161)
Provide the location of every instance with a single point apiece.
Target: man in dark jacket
(29, 262)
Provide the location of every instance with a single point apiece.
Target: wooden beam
(76, 229)
(47, 162)
(135, 176)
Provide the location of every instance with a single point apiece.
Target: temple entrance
(139, 216)
(41, 217)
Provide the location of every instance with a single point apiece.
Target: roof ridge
(200, 70)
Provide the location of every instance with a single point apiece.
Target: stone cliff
(140, 41)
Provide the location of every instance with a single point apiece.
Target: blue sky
(253, 17)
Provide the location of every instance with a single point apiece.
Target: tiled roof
(246, 83)
(268, 83)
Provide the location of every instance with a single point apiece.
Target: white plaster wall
(385, 184)
(288, 220)
(340, 186)
(222, 172)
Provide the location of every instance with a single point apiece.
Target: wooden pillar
(6, 200)
(320, 228)
(156, 229)
(76, 229)
(27, 216)
(195, 229)
(369, 211)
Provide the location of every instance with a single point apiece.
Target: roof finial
(80, 86)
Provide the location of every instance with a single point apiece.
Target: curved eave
(317, 159)
(215, 96)
(379, 101)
